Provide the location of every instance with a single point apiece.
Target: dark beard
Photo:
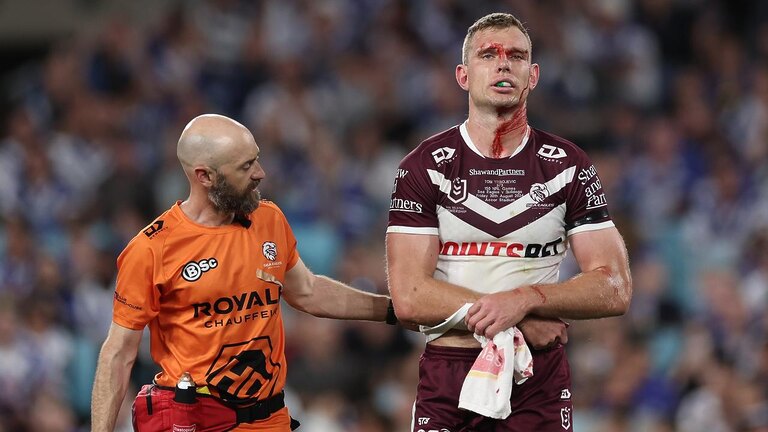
(226, 199)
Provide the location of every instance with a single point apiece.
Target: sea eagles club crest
(269, 249)
(539, 192)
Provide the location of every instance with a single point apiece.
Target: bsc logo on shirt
(193, 270)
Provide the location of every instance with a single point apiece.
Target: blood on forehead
(501, 50)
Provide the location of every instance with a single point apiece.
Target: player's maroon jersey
(502, 223)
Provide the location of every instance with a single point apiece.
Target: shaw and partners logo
(499, 172)
(401, 173)
(593, 189)
(404, 205)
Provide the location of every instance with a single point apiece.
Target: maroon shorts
(542, 403)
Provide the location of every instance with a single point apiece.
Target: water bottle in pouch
(185, 389)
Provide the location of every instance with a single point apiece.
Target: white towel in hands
(456, 320)
(503, 361)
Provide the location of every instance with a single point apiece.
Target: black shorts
(542, 403)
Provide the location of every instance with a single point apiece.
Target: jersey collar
(473, 147)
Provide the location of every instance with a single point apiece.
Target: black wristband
(391, 317)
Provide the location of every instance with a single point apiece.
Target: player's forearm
(598, 293)
(418, 297)
(333, 299)
(110, 385)
(426, 300)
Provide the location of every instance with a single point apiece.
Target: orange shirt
(211, 298)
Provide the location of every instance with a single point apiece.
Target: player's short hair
(496, 20)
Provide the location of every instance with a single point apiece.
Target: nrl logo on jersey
(565, 418)
(458, 192)
(443, 154)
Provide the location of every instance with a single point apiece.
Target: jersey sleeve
(413, 206)
(281, 225)
(137, 298)
(290, 241)
(586, 206)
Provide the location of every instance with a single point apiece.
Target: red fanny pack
(154, 410)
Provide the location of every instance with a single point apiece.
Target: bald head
(211, 140)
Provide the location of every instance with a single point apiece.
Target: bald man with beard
(207, 277)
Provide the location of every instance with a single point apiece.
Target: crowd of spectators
(669, 97)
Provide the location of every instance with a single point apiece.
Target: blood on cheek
(518, 120)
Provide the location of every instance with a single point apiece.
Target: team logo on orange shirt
(193, 270)
(269, 249)
(245, 370)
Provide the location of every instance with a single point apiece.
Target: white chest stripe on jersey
(510, 210)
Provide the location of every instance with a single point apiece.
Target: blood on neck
(519, 120)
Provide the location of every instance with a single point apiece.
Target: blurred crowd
(669, 97)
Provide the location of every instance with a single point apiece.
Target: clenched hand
(541, 333)
(496, 312)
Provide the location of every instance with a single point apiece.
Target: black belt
(260, 410)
